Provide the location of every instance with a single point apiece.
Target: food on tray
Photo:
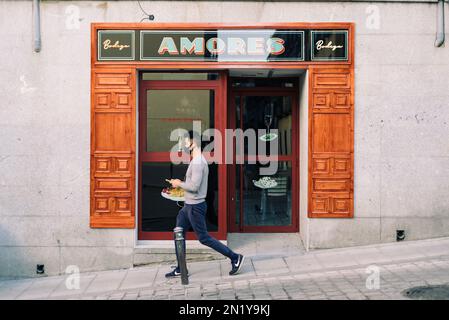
(174, 192)
(265, 182)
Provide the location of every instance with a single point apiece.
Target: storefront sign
(265, 45)
(329, 45)
(116, 45)
(222, 45)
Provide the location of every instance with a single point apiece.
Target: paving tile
(336, 260)
(11, 289)
(66, 288)
(270, 266)
(303, 263)
(204, 270)
(41, 288)
(106, 281)
(139, 278)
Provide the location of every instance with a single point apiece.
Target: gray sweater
(195, 185)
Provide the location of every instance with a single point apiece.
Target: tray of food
(265, 183)
(174, 194)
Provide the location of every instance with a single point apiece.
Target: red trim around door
(220, 87)
(294, 158)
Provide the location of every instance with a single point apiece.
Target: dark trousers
(194, 215)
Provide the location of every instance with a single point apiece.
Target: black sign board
(116, 45)
(329, 45)
(222, 45)
(264, 45)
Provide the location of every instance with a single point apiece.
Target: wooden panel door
(112, 158)
(331, 142)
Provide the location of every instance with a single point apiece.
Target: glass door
(262, 202)
(171, 101)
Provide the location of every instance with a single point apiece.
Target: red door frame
(220, 87)
(294, 158)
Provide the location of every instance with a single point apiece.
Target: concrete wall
(401, 126)
(303, 157)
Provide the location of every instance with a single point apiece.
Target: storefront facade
(359, 122)
(220, 74)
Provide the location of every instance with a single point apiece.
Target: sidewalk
(322, 274)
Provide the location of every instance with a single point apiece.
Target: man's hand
(175, 182)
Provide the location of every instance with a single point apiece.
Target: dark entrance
(260, 202)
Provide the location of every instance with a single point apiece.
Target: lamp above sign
(265, 45)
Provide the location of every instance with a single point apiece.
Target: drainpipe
(440, 24)
(37, 25)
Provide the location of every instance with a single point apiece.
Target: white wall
(304, 158)
(401, 125)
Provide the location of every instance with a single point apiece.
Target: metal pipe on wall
(37, 25)
(440, 24)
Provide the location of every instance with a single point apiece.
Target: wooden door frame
(294, 158)
(219, 87)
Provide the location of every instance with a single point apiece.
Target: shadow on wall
(12, 258)
(20, 261)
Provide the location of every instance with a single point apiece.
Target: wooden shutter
(331, 142)
(112, 174)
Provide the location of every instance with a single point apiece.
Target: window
(168, 110)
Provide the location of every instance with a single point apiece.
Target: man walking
(193, 214)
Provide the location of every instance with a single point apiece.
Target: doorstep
(163, 251)
(257, 246)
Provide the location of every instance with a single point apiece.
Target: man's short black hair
(195, 136)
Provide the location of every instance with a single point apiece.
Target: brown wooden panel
(103, 165)
(331, 143)
(341, 100)
(102, 205)
(324, 78)
(331, 132)
(331, 185)
(123, 204)
(341, 166)
(112, 148)
(112, 79)
(111, 184)
(122, 100)
(341, 206)
(331, 206)
(123, 165)
(321, 166)
(320, 205)
(103, 100)
(112, 132)
(322, 100)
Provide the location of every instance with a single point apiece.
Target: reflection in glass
(266, 202)
(268, 112)
(168, 110)
(159, 214)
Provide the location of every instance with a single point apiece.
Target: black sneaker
(175, 273)
(237, 265)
